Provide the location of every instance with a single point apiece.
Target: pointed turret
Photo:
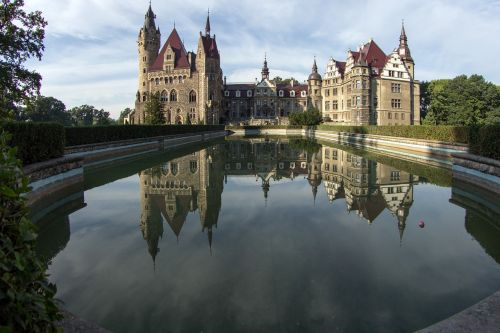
(314, 74)
(149, 19)
(265, 69)
(403, 49)
(207, 25)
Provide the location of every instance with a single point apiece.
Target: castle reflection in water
(195, 183)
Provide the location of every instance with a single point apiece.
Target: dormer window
(281, 93)
(292, 93)
(226, 93)
(303, 93)
(249, 93)
(238, 93)
(169, 56)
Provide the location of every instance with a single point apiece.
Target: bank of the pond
(411, 146)
(60, 178)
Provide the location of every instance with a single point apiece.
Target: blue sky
(91, 54)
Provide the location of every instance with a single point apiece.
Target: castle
(369, 88)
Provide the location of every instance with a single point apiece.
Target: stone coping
(482, 317)
(46, 169)
(72, 324)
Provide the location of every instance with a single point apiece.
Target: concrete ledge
(482, 317)
(480, 171)
(73, 324)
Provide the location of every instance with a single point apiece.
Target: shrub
(310, 117)
(95, 134)
(26, 297)
(35, 142)
(457, 134)
(485, 141)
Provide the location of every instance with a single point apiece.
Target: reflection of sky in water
(291, 264)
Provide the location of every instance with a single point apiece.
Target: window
(396, 103)
(192, 115)
(157, 81)
(281, 93)
(169, 56)
(348, 103)
(327, 92)
(400, 74)
(335, 91)
(226, 93)
(238, 93)
(192, 97)
(249, 93)
(335, 105)
(395, 175)
(395, 65)
(144, 70)
(396, 116)
(358, 84)
(364, 100)
(292, 93)
(303, 93)
(174, 168)
(402, 116)
(358, 100)
(396, 87)
(164, 96)
(391, 73)
(389, 115)
(193, 166)
(173, 96)
(327, 106)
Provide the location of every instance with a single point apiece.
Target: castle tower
(314, 81)
(404, 51)
(265, 70)
(208, 65)
(148, 46)
(314, 172)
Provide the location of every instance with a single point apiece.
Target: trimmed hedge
(455, 134)
(76, 136)
(35, 142)
(484, 141)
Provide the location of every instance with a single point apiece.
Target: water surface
(271, 236)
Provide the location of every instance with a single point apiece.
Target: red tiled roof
(181, 59)
(374, 55)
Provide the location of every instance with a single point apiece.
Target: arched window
(164, 96)
(173, 96)
(174, 168)
(144, 97)
(192, 97)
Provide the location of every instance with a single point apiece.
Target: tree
(279, 80)
(311, 117)
(153, 112)
(21, 38)
(461, 101)
(124, 114)
(88, 115)
(43, 108)
(430, 119)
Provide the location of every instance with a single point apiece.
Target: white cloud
(91, 50)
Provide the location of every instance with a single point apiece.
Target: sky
(91, 52)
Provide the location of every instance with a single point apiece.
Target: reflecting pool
(271, 235)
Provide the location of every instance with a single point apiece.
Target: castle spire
(315, 67)
(265, 69)
(207, 25)
(403, 49)
(149, 18)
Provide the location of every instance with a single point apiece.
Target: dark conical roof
(207, 25)
(314, 75)
(149, 19)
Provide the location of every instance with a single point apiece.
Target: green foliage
(21, 39)
(88, 115)
(87, 135)
(430, 119)
(310, 117)
(462, 101)
(457, 134)
(46, 109)
(249, 127)
(279, 80)
(123, 115)
(308, 145)
(26, 297)
(485, 141)
(35, 142)
(152, 111)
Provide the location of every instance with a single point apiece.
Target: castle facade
(369, 88)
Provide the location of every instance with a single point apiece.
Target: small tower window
(192, 97)
(173, 96)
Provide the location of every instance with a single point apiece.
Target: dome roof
(314, 76)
